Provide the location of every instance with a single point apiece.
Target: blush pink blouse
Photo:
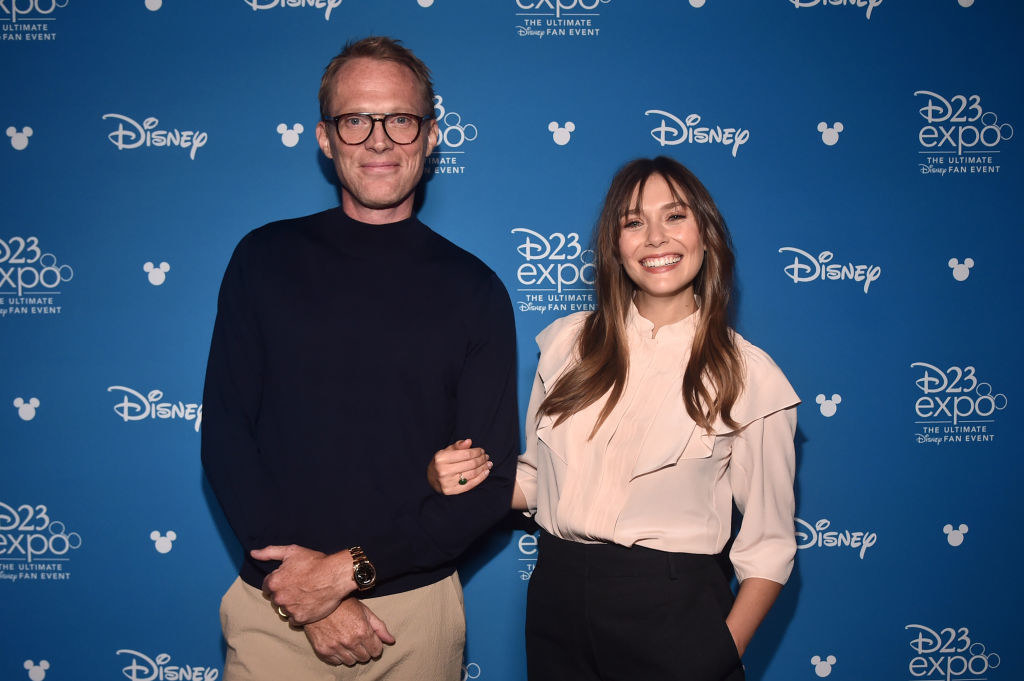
(651, 476)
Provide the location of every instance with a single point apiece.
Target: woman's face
(660, 245)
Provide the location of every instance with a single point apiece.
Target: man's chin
(378, 202)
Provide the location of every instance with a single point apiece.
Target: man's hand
(350, 634)
(308, 585)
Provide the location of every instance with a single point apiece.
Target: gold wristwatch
(363, 572)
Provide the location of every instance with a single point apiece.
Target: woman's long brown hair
(713, 377)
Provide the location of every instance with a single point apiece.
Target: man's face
(379, 177)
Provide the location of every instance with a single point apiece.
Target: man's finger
(379, 628)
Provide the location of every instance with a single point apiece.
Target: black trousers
(603, 612)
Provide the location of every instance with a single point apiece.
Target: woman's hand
(458, 468)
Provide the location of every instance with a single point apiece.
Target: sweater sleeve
(231, 402)
(442, 527)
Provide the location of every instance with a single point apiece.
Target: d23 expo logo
(557, 274)
(954, 406)
(948, 654)
(30, 279)
(558, 18)
(32, 545)
(959, 137)
(452, 133)
(29, 20)
(526, 547)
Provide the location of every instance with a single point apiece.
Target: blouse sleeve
(526, 473)
(556, 343)
(761, 474)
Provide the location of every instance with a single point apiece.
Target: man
(349, 346)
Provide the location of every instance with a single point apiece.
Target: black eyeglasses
(356, 128)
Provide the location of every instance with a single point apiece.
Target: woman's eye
(631, 224)
(676, 216)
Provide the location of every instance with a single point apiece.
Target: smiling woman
(649, 417)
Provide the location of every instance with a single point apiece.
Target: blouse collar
(683, 330)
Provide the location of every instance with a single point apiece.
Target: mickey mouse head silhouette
(26, 410)
(955, 537)
(19, 140)
(823, 667)
(828, 407)
(157, 275)
(37, 672)
(163, 543)
(961, 270)
(561, 134)
(290, 136)
(830, 135)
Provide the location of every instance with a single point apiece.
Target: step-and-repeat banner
(865, 153)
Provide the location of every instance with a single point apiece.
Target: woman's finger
(466, 480)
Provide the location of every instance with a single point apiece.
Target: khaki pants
(428, 624)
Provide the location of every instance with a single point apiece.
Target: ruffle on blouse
(669, 433)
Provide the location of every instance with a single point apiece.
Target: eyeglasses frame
(374, 119)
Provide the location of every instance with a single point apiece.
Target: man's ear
(323, 140)
(433, 135)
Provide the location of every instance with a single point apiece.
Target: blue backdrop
(863, 152)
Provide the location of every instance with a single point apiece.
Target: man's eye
(353, 122)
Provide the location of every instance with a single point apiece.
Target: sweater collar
(388, 238)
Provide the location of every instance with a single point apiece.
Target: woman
(648, 418)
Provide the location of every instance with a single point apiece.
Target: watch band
(363, 572)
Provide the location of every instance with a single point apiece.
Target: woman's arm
(761, 473)
(460, 467)
(753, 601)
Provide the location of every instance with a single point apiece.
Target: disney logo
(135, 406)
(815, 535)
(144, 134)
(143, 668)
(327, 5)
(524, 31)
(870, 4)
(807, 267)
(688, 131)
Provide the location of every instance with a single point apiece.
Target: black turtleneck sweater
(343, 356)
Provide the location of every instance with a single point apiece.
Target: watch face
(364, 574)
